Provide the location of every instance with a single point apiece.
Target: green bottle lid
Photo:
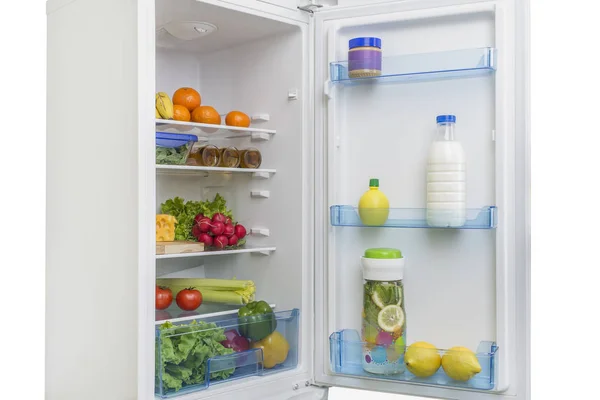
(383, 252)
(374, 182)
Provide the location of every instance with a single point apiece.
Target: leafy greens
(182, 354)
(171, 155)
(186, 211)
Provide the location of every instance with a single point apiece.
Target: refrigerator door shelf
(346, 358)
(476, 218)
(425, 66)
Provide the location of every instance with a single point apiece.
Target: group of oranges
(187, 107)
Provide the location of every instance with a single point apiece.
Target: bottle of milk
(446, 177)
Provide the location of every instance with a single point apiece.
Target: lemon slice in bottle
(396, 297)
(390, 318)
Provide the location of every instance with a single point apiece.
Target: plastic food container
(230, 157)
(173, 148)
(364, 57)
(204, 155)
(250, 158)
(383, 315)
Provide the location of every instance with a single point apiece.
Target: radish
(218, 217)
(233, 240)
(198, 217)
(227, 220)
(228, 231)
(196, 231)
(206, 239)
(217, 228)
(239, 231)
(221, 242)
(205, 224)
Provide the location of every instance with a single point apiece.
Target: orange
(187, 97)
(180, 113)
(206, 115)
(237, 118)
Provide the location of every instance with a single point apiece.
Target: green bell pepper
(256, 320)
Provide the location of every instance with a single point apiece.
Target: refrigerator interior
(382, 128)
(240, 67)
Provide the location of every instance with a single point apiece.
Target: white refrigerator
(322, 136)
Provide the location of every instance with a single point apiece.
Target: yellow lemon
(460, 363)
(422, 359)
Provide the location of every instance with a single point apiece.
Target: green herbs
(186, 211)
(183, 353)
(172, 155)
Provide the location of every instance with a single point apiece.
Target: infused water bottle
(383, 317)
(446, 177)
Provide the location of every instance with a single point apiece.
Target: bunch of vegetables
(209, 222)
(225, 291)
(183, 352)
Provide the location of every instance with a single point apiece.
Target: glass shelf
(175, 314)
(182, 368)
(211, 131)
(346, 358)
(195, 170)
(476, 218)
(265, 250)
(425, 66)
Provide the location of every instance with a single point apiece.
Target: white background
(565, 200)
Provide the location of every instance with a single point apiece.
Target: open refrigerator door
(451, 206)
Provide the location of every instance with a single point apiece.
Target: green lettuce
(182, 354)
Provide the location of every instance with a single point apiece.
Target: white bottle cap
(382, 264)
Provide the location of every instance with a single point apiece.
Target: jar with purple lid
(364, 57)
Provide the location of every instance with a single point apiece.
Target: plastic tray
(217, 369)
(346, 357)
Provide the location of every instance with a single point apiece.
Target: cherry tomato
(189, 299)
(164, 297)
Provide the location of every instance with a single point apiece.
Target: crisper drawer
(190, 356)
(347, 357)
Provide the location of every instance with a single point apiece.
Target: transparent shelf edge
(257, 249)
(174, 314)
(211, 130)
(425, 66)
(350, 216)
(346, 357)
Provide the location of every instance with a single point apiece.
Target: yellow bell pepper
(275, 349)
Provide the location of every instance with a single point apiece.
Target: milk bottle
(446, 177)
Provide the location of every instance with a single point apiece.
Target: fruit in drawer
(165, 228)
(237, 118)
(206, 115)
(180, 113)
(275, 349)
(422, 359)
(187, 97)
(256, 320)
(460, 363)
(164, 105)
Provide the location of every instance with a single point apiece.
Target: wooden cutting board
(178, 247)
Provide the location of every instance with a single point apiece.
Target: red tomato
(189, 299)
(164, 297)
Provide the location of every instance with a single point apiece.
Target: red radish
(205, 224)
(198, 217)
(206, 239)
(196, 231)
(227, 220)
(221, 241)
(217, 228)
(228, 231)
(240, 231)
(218, 217)
(233, 240)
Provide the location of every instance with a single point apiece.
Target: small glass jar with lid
(364, 57)
(250, 158)
(230, 157)
(383, 317)
(206, 155)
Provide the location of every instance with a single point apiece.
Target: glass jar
(250, 158)
(205, 156)
(230, 157)
(383, 317)
(364, 57)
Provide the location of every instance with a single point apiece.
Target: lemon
(422, 359)
(460, 363)
(396, 292)
(390, 318)
(373, 206)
